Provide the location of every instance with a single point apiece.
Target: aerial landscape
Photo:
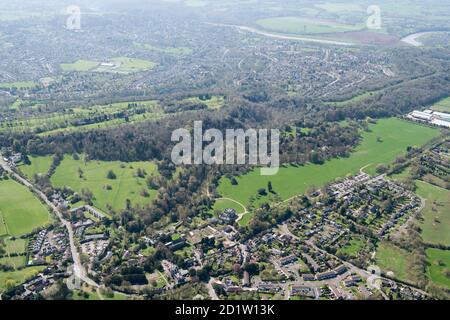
(320, 171)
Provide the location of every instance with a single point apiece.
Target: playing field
(436, 214)
(79, 65)
(297, 25)
(94, 177)
(395, 136)
(442, 106)
(439, 266)
(20, 209)
(39, 165)
(127, 65)
(121, 65)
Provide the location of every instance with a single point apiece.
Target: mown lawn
(436, 214)
(94, 177)
(395, 134)
(21, 210)
(438, 269)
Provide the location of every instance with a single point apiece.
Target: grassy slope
(435, 231)
(20, 209)
(396, 134)
(125, 186)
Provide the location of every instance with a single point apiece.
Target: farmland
(436, 214)
(385, 140)
(21, 211)
(113, 193)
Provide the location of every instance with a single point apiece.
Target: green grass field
(436, 214)
(297, 25)
(352, 248)
(15, 246)
(39, 165)
(216, 102)
(439, 266)
(14, 262)
(127, 65)
(21, 210)
(18, 276)
(442, 106)
(122, 65)
(18, 85)
(125, 186)
(393, 259)
(79, 65)
(67, 120)
(396, 136)
(179, 51)
(340, 7)
(222, 204)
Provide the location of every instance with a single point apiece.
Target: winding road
(79, 270)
